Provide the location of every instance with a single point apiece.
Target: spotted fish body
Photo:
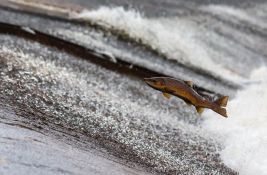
(184, 90)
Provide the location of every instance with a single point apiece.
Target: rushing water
(243, 135)
(175, 38)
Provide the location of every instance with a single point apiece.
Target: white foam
(174, 37)
(244, 133)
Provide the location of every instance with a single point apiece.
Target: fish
(185, 91)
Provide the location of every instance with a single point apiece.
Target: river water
(221, 48)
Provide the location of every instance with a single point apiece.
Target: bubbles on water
(244, 132)
(87, 98)
(174, 38)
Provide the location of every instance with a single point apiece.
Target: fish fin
(199, 110)
(168, 96)
(221, 111)
(222, 101)
(188, 102)
(189, 83)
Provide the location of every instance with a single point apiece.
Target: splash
(173, 37)
(244, 132)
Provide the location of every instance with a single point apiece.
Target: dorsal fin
(222, 101)
(168, 96)
(189, 83)
(199, 110)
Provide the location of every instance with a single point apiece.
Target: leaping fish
(184, 90)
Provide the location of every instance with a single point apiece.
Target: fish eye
(154, 82)
(159, 83)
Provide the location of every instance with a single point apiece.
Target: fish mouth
(150, 82)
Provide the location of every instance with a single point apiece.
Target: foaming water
(110, 106)
(176, 38)
(244, 133)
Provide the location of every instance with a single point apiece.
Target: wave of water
(243, 134)
(175, 38)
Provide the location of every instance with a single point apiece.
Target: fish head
(158, 83)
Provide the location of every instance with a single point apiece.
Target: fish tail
(221, 111)
(222, 101)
